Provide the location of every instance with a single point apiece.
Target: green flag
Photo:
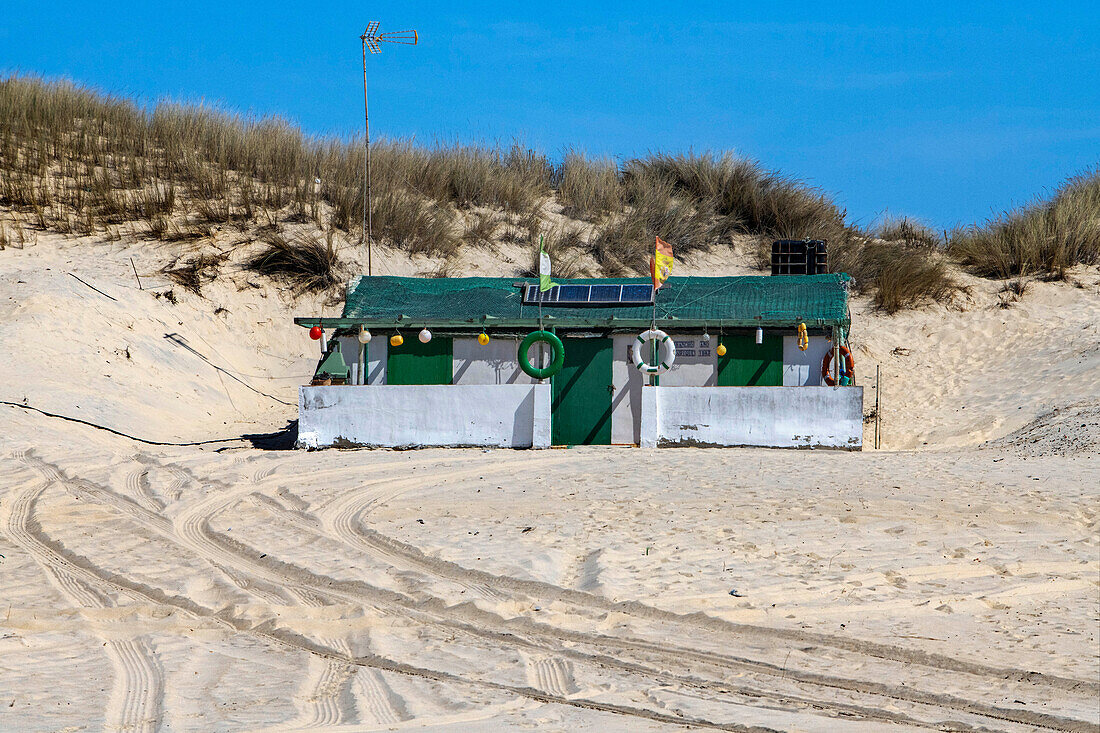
(544, 270)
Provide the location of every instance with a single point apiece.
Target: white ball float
(364, 336)
(425, 336)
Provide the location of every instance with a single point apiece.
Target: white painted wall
(778, 417)
(494, 363)
(506, 416)
(376, 352)
(696, 363)
(626, 404)
(696, 366)
(803, 367)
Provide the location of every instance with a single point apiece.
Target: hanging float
(664, 343)
(848, 372)
(556, 347)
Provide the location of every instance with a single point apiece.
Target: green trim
(613, 324)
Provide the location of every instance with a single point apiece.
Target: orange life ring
(849, 366)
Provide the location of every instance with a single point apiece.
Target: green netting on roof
(477, 301)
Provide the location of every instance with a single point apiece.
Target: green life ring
(555, 345)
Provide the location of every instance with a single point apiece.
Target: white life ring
(665, 362)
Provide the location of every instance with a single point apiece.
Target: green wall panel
(749, 364)
(415, 363)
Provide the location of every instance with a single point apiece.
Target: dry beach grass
(78, 162)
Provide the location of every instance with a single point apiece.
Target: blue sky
(945, 111)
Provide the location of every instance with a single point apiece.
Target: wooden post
(878, 405)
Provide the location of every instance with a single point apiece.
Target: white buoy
(425, 336)
(364, 336)
(759, 335)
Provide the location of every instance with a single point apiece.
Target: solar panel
(605, 293)
(598, 294)
(637, 294)
(573, 293)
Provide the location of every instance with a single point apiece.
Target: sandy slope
(189, 588)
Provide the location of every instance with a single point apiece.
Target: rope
(118, 432)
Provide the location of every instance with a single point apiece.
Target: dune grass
(1045, 238)
(897, 274)
(81, 161)
(304, 261)
(74, 160)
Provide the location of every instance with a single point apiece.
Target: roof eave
(550, 321)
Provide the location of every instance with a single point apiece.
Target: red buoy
(316, 333)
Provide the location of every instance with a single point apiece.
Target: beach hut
(430, 362)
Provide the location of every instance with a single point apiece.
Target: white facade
(399, 416)
(375, 353)
(775, 417)
(803, 368)
(494, 363)
(696, 366)
(492, 402)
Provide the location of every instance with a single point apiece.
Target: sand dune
(223, 586)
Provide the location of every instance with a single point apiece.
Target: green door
(580, 412)
(749, 364)
(415, 363)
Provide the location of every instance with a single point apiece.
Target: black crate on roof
(799, 257)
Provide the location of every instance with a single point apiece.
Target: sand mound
(1064, 431)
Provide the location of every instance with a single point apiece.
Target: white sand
(184, 588)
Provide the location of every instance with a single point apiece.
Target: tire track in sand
(299, 643)
(29, 536)
(137, 694)
(343, 521)
(487, 625)
(470, 620)
(347, 524)
(551, 674)
(326, 696)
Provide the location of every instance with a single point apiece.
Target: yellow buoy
(396, 340)
(483, 338)
(721, 350)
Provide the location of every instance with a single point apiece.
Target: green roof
(477, 302)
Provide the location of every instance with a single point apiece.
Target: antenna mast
(370, 39)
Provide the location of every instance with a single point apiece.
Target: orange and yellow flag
(661, 264)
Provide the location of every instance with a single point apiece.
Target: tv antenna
(371, 38)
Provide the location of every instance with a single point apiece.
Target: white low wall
(776, 417)
(398, 416)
